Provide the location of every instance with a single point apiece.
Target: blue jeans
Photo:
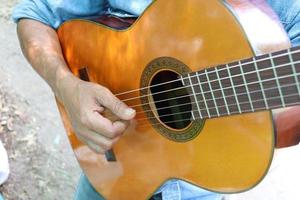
(85, 191)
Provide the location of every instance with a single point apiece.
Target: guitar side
(230, 154)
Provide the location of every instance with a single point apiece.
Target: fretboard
(259, 83)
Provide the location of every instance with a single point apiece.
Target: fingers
(99, 133)
(84, 106)
(96, 142)
(101, 125)
(95, 148)
(120, 109)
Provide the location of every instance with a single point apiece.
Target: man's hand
(84, 103)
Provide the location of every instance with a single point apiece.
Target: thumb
(115, 105)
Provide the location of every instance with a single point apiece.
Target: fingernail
(129, 112)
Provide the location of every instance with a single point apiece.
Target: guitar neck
(259, 83)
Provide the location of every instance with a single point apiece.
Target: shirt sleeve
(288, 12)
(53, 13)
(293, 30)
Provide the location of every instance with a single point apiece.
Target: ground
(42, 163)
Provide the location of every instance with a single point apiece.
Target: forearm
(83, 101)
(41, 47)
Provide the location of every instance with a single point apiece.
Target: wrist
(65, 83)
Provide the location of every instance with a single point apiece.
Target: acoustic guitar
(202, 78)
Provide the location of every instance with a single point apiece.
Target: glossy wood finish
(231, 154)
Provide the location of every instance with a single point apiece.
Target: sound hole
(172, 102)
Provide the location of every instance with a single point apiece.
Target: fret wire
(260, 83)
(233, 87)
(254, 72)
(276, 79)
(281, 77)
(245, 111)
(271, 79)
(246, 86)
(256, 91)
(255, 82)
(192, 112)
(261, 59)
(213, 95)
(237, 75)
(182, 81)
(203, 96)
(294, 70)
(194, 94)
(221, 87)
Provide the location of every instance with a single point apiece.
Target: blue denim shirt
(53, 13)
(289, 15)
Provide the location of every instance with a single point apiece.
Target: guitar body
(227, 154)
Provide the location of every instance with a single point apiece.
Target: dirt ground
(41, 161)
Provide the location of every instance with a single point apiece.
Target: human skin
(83, 101)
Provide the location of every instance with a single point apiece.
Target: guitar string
(144, 125)
(222, 98)
(210, 92)
(211, 81)
(242, 64)
(225, 88)
(246, 63)
(214, 107)
(212, 116)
